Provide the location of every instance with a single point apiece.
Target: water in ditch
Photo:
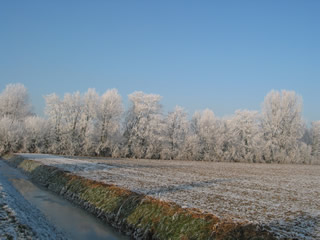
(75, 222)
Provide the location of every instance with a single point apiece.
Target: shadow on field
(82, 167)
(104, 161)
(187, 186)
(94, 166)
(304, 226)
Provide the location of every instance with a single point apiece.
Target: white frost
(283, 197)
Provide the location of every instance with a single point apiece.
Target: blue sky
(222, 55)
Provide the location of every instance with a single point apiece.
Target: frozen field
(284, 197)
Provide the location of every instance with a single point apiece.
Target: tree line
(93, 125)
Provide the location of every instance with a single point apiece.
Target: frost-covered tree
(143, 126)
(11, 135)
(244, 136)
(72, 107)
(15, 106)
(190, 149)
(109, 113)
(14, 102)
(202, 124)
(176, 128)
(84, 124)
(36, 137)
(54, 112)
(282, 126)
(88, 122)
(315, 136)
(209, 136)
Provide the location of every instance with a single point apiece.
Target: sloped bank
(137, 215)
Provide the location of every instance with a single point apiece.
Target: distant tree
(54, 111)
(209, 136)
(72, 108)
(176, 127)
(36, 137)
(109, 114)
(315, 136)
(11, 135)
(190, 149)
(14, 102)
(202, 125)
(88, 122)
(143, 126)
(244, 136)
(282, 126)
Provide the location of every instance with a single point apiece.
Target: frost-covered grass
(19, 219)
(283, 197)
(10, 226)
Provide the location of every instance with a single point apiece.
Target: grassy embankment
(140, 216)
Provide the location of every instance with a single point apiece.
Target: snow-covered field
(19, 219)
(284, 197)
